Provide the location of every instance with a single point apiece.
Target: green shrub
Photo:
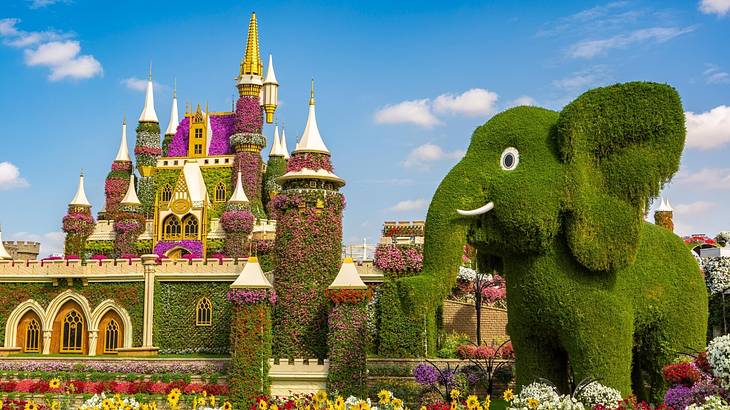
(450, 343)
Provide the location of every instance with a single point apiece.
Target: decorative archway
(176, 252)
(15, 317)
(57, 319)
(98, 325)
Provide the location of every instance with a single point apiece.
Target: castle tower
(4, 255)
(78, 223)
(283, 143)
(129, 223)
(307, 244)
(237, 221)
(116, 181)
(172, 125)
(275, 167)
(148, 148)
(248, 139)
(664, 215)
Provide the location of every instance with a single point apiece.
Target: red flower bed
(681, 373)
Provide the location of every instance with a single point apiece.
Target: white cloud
(705, 178)
(139, 84)
(416, 112)
(601, 17)
(694, 208)
(591, 48)
(51, 242)
(719, 7)
(714, 75)
(409, 205)
(708, 129)
(422, 156)
(474, 102)
(37, 4)
(10, 177)
(60, 56)
(584, 79)
(523, 100)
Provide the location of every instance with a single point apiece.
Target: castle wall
(461, 318)
(22, 250)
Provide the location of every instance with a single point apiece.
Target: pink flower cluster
(125, 166)
(79, 223)
(249, 164)
(154, 151)
(309, 160)
(179, 145)
(222, 127)
(194, 247)
(249, 116)
(239, 221)
(469, 351)
(398, 258)
(251, 296)
(95, 387)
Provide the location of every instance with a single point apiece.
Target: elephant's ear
(621, 144)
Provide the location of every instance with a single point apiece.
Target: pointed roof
(283, 143)
(239, 195)
(123, 153)
(311, 141)
(347, 277)
(276, 149)
(3, 253)
(251, 64)
(664, 206)
(172, 126)
(148, 112)
(306, 173)
(208, 130)
(80, 197)
(270, 76)
(130, 198)
(251, 277)
(195, 183)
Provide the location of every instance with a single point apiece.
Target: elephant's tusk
(483, 210)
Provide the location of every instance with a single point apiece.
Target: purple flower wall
(222, 127)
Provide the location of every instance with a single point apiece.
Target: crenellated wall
(23, 250)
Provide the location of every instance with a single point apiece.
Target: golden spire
(251, 63)
(311, 94)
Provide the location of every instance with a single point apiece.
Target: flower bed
(398, 258)
(114, 366)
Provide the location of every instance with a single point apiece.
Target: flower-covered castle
(174, 262)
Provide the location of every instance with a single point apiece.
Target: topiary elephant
(593, 291)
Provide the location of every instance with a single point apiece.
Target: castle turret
(237, 221)
(283, 143)
(3, 253)
(664, 215)
(129, 223)
(275, 168)
(311, 215)
(116, 181)
(270, 92)
(248, 140)
(148, 148)
(172, 125)
(78, 223)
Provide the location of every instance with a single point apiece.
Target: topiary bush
(559, 197)
(347, 341)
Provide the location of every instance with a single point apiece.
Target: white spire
(283, 143)
(276, 148)
(130, 198)
(239, 195)
(208, 130)
(348, 277)
(123, 153)
(172, 126)
(311, 141)
(80, 197)
(664, 206)
(251, 277)
(3, 253)
(270, 76)
(148, 112)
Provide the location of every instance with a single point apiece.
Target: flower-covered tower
(129, 222)
(248, 140)
(118, 178)
(237, 221)
(308, 244)
(275, 168)
(78, 223)
(148, 149)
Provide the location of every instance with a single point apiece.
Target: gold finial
(311, 95)
(150, 70)
(251, 63)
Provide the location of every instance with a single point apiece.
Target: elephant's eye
(510, 159)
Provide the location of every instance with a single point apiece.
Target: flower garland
(240, 140)
(311, 160)
(179, 145)
(194, 247)
(251, 296)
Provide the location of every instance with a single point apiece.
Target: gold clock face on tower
(180, 206)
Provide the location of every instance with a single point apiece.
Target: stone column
(93, 340)
(47, 341)
(149, 262)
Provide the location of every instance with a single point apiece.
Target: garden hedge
(248, 374)
(587, 279)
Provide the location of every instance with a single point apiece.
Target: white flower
(718, 354)
(596, 393)
(717, 271)
(711, 403)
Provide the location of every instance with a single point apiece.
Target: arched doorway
(111, 333)
(176, 253)
(29, 336)
(70, 330)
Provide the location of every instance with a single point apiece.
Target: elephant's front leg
(539, 359)
(600, 344)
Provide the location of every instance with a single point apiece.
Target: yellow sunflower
(533, 403)
(455, 393)
(472, 402)
(384, 396)
(508, 395)
(320, 396)
(263, 405)
(273, 407)
(487, 402)
(212, 400)
(31, 406)
(227, 406)
(55, 405)
(339, 403)
(453, 404)
(397, 404)
(54, 383)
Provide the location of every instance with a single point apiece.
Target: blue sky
(400, 87)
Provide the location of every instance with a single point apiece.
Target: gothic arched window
(171, 228)
(220, 192)
(190, 227)
(166, 195)
(203, 312)
(33, 337)
(111, 337)
(72, 332)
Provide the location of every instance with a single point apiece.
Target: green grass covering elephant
(559, 198)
